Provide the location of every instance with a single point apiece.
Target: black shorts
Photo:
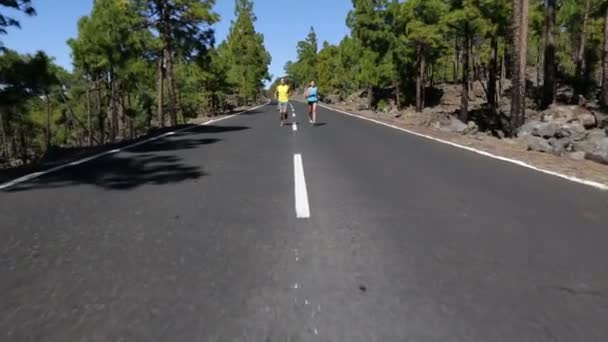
(312, 102)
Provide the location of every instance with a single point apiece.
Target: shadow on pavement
(156, 162)
(253, 112)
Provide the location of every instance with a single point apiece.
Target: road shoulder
(584, 171)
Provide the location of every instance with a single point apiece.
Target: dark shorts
(312, 102)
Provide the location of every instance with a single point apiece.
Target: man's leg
(283, 108)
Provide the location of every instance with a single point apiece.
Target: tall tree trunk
(605, 63)
(539, 62)
(66, 128)
(473, 56)
(432, 77)
(130, 119)
(419, 77)
(520, 48)
(89, 116)
(113, 109)
(5, 151)
(122, 117)
(48, 121)
(456, 60)
(397, 94)
(580, 54)
(508, 55)
(503, 72)
(23, 144)
(464, 106)
(370, 97)
(161, 89)
(549, 80)
(171, 86)
(100, 117)
(492, 76)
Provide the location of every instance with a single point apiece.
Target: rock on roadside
(600, 153)
(537, 144)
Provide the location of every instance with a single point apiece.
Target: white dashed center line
(301, 195)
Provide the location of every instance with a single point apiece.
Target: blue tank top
(312, 94)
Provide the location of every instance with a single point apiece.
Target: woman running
(312, 95)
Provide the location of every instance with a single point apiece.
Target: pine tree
(305, 69)
(24, 6)
(368, 22)
(424, 30)
(183, 26)
(465, 20)
(106, 48)
(248, 57)
(495, 16)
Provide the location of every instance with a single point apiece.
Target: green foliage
(305, 69)
(246, 54)
(28, 82)
(382, 105)
(133, 61)
(24, 6)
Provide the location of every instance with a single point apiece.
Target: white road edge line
(301, 195)
(593, 184)
(114, 151)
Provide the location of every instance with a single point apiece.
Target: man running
(312, 95)
(282, 95)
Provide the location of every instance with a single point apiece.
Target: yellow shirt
(283, 91)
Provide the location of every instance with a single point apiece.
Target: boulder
(600, 153)
(472, 128)
(561, 146)
(594, 141)
(477, 90)
(573, 131)
(537, 144)
(585, 119)
(601, 119)
(578, 155)
(528, 128)
(450, 94)
(332, 99)
(455, 126)
(546, 129)
(569, 114)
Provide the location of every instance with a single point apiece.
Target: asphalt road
(195, 237)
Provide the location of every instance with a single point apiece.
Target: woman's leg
(310, 109)
(314, 112)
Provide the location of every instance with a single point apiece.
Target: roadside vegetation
(138, 66)
(537, 69)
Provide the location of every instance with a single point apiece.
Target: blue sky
(283, 23)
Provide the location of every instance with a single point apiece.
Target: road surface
(346, 231)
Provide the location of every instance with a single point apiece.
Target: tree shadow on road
(253, 112)
(157, 162)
